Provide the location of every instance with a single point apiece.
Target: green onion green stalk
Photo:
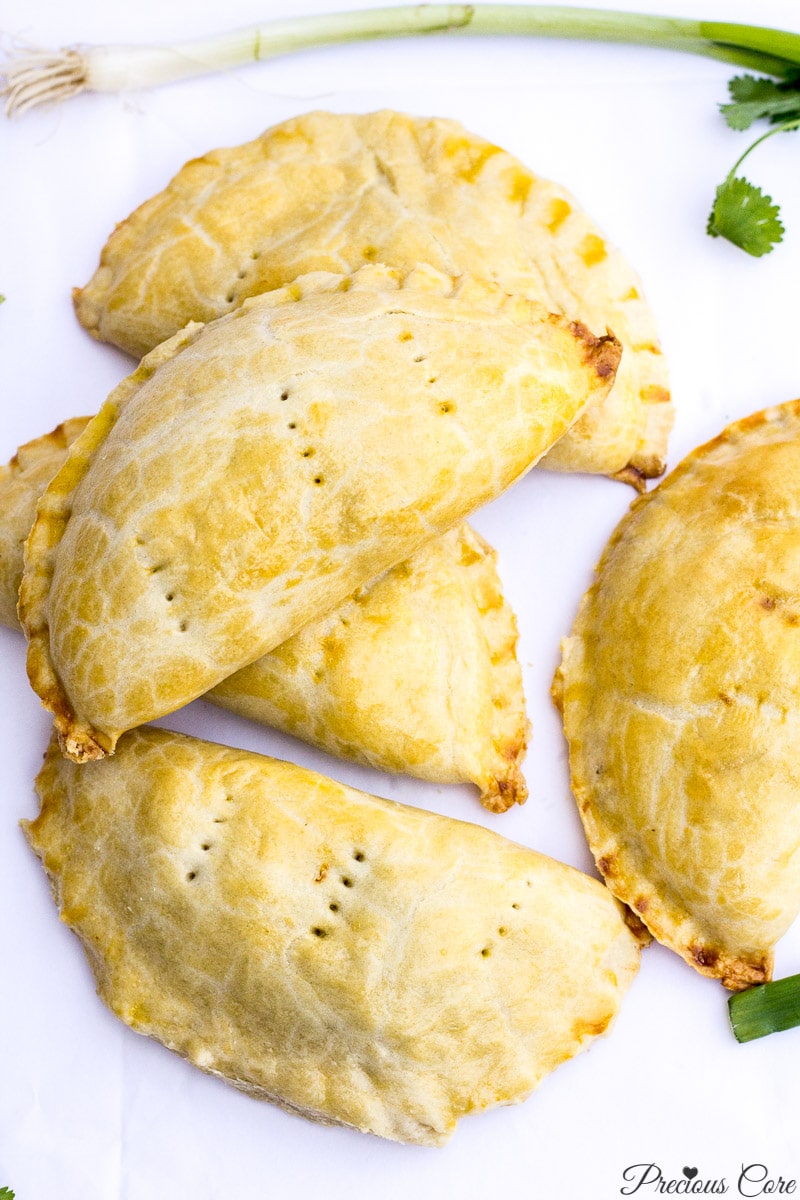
(768, 1008)
(41, 77)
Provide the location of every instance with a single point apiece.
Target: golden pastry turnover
(416, 672)
(350, 959)
(332, 192)
(680, 694)
(253, 473)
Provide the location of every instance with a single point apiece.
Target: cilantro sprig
(741, 212)
(753, 98)
(6, 1193)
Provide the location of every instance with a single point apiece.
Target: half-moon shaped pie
(680, 692)
(416, 672)
(252, 473)
(350, 959)
(327, 191)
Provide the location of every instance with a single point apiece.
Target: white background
(90, 1111)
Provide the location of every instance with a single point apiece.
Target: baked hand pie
(680, 693)
(253, 473)
(327, 191)
(350, 959)
(416, 672)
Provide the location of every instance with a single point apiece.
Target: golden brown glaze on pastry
(327, 191)
(252, 473)
(350, 959)
(415, 673)
(680, 692)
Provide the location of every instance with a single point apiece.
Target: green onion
(768, 1008)
(34, 77)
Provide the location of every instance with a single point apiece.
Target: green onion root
(33, 77)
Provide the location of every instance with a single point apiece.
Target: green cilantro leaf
(745, 216)
(755, 98)
(6, 1194)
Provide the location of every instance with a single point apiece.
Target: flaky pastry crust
(251, 474)
(353, 960)
(680, 693)
(330, 191)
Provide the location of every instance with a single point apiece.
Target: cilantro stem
(792, 123)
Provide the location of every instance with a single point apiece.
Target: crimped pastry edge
(502, 789)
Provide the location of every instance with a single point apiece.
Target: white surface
(90, 1111)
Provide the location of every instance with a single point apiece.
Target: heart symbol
(690, 1172)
